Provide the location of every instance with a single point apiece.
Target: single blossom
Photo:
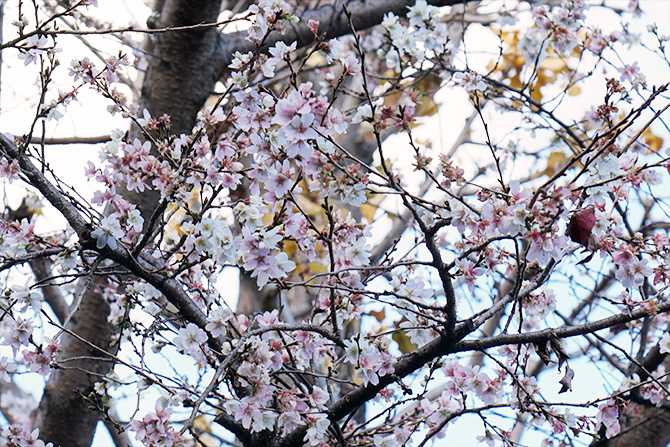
(107, 233)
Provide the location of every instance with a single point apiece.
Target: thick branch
(560, 332)
(144, 267)
(441, 346)
(48, 190)
(52, 294)
(77, 140)
(333, 23)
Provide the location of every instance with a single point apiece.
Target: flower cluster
(17, 436)
(608, 417)
(423, 38)
(370, 359)
(156, 429)
(269, 15)
(41, 358)
(33, 47)
(557, 27)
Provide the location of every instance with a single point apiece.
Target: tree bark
(643, 425)
(64, 417)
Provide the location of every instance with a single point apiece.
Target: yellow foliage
(201, 425)
(358, 380)
(177, 218)
(302, 267)
(392, 98)
(553, 64)
(404, 343)
(425, 107)
(427, 86)
(370, 207)
(310, 204)
(652, 140)
(290, 248)
(317, 267)
(512, 63)
(574, 90)
(555, 162)
(378, 314)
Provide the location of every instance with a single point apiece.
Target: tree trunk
(64, 417)
(643, 425)
(178, 80)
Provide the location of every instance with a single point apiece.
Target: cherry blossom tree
(287, 243)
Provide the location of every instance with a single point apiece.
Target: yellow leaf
(424, 142)
(555, 161)
(378, 314)
(370, 207)
(428, 84)
(536, 95)
(425, 107)
(574, 90)
(392, 98)
(577, 51)
(176, 219)
(317, 267)
(511, 38)
(554, 64)
(404, 343)
(515, 82)
(357, 379)
(544, 77)
(652, 140)
(290, 248)
(201, 425)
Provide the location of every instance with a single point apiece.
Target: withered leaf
(557, 347)
(541, 349)
(566, 381)
(581, 224)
